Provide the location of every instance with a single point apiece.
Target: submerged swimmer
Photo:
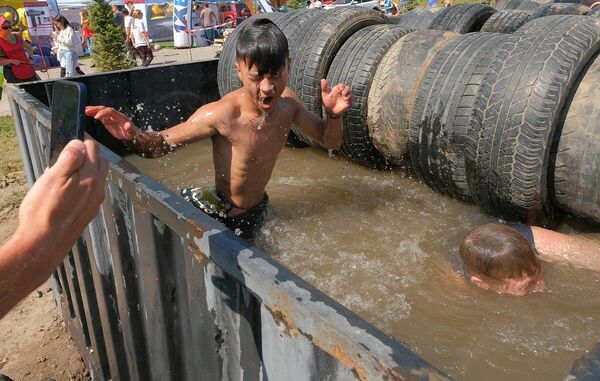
(248, 128)
(507, 258)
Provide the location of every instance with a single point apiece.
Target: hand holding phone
(68, 117)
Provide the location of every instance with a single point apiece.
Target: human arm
(327, 131)
(558, 247)
(151, 144)
(52, 216)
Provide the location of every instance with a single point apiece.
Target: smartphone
(68, 115)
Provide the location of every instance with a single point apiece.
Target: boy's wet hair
(263, 44)
(498, 252)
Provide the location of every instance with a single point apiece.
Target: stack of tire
(511, 123)
(488, 117)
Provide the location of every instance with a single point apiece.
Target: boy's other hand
(337, 99)
(115, 122)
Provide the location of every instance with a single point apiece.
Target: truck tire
(354, 65)
(418, 18)
(394, 88)
(519, 106)
(529, 5)
(462, 18)
(318, 42)
(227, 78)
(595, 11)
(575, 161)
(443, 107)
(559, 9)
(506, 21)
(588, 3)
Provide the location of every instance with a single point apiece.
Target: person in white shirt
(315, 4)
(67, 46)
(139, 38)
(132, 53)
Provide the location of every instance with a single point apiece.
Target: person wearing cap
(17, 65)
(118, 17)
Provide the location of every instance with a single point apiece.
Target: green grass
(1, 79)
(10, 160)
(166, 44)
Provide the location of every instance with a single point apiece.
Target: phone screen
(68, 118)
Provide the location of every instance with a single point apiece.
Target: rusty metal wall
(156, 290)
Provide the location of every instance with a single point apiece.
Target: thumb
(324, 87)
(70, 159)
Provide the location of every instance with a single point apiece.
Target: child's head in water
(499, 258)
(262, 61)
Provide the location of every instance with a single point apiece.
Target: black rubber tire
(528, 5)
(394, 88)
(355, 64)
(443, 108)
(227, 78)
(519, 106)
(320, 41)
(588, 3)
(575, 162)
(418, 18)
(502, 5)
(462, 18)
(560, 9)
(506, 21)
(595, 11)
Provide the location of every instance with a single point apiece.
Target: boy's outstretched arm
(569, 248)
(200, 125)
(328, 132)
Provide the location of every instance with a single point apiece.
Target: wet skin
(248, 129)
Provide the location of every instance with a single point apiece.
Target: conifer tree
(109, 45)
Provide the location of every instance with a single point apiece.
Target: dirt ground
(34, 344)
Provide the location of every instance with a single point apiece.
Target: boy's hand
(336, 100)
(115, 122)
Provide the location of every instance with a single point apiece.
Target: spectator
(118, 17)
(129, 47)
(87, 33)
(447, 3)
(315, 4)
(506, 259)
(61, 202)
(208, 20)
(139, 37)
(389, 7)
(17, 66)
(67, 46)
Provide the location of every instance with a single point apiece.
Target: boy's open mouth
(266, 100)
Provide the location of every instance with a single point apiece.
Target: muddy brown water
(384, 245)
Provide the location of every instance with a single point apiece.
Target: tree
(109, 42)
(295, 4)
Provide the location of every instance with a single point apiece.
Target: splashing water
(261, 121)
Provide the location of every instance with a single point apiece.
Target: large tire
(418, 18)
(441, 119)
(506, 21)
(588, 3)
(559, 9)
(575, 163)
(595, 11)
(519, 106)
(322, 38)
(528, 5)
(502, 5)
(227, 78)
(463, 18)
(355, 64)
(394, 89)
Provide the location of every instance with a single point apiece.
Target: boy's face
(512, 286)
(264, 90)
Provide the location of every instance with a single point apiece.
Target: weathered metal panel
(161, 291)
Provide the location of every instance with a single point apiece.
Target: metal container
(156, 290)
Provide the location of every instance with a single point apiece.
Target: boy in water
(506, 258)
(248, 128)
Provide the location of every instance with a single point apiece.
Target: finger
(70, 159)
(324, 87)
(93, 110)
(92, 152)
